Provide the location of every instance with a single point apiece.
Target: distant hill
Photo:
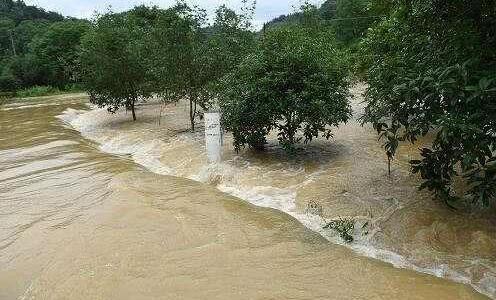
(37, 47)
(18, 11)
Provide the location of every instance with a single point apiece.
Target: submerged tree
(174, 57)
(293, 82)
(168, 52)
(114, 72)
(187, 59)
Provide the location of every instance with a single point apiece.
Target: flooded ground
(93, 206)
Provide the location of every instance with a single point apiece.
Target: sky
(266, 9)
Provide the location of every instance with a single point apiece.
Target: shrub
(294, 82)
(344, 227)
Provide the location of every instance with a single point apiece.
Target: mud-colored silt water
(93, 206)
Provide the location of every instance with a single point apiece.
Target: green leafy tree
(187, 59)
(27, 31)
(8, 81)
(328, 9)
(431, 67)
(29, 71)
(37, 47)
(173, 46)
(18, 11)
(7, 45)
(114, 69)
(228, 42)
(58, 51)
(293, 83)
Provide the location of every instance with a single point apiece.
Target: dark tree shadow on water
(317, 152)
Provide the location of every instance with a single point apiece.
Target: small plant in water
(344, 227)
(314, 208)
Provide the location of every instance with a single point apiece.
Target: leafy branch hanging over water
(431, 67)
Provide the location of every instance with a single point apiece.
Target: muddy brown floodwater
(93, 206)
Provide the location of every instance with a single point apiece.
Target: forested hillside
(18, 11)
(349, 19)
(38, 48)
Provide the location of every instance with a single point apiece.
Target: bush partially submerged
(344, 227)
(314, 208)
(294, 82)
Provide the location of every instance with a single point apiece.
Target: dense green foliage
(114, 69)
(292, 82)
(171, 52)
(354, 19)
(18, 11)
(188, 58)
(38, 47)
(175, 42)
(431, 66)
(229, 41)
(348, 19)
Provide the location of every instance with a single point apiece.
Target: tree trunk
(389, 166)
(160, 114)
(291, 137)
(192, 111)
(132, 109)
(13, 44)
(290, 129)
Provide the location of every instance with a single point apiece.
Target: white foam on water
(145, 153)
(223, 175)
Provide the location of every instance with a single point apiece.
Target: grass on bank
(40, 91)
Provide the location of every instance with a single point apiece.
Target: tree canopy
(18, 11)
(114, 70)
(169, 52)
(293, 81)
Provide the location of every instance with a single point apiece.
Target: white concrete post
(213, 137)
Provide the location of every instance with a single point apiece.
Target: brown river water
(94, 206)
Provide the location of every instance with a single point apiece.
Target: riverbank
(7, 98)
(30, 102)
(347, 176)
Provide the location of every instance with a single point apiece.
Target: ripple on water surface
(77, 223)
(347, 176)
